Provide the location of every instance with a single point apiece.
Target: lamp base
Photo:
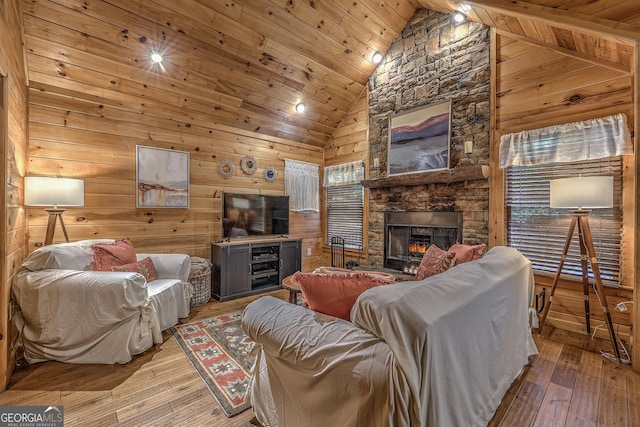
(54, 214)
(587, 254)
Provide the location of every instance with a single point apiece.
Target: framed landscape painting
(419, 140)
(162, 179)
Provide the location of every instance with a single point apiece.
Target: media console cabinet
(247, 266)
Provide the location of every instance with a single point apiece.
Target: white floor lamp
(591, 192)
(54, 193)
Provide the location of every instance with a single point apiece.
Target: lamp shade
(582, 192)
(52, 191)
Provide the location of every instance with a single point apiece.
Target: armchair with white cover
(70, 313)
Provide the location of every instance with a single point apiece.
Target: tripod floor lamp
(53, 192)
(576, 194)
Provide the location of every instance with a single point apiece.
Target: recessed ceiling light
(300, 107)
(459, 17)
(156, 57)
(376, 57)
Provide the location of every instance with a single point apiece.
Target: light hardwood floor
(568, 384)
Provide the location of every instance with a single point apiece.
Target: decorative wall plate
(248, 165)
(270, 174)
(225, 169)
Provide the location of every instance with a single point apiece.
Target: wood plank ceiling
(242, 64)
(246, 63)
(601, 31)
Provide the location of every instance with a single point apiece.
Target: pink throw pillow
(144, 267)
(466, 253)
(335, 294)
(435, 261)
(105, 257)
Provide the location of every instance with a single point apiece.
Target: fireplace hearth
(409, 234)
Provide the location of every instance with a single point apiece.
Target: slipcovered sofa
(438, 352)
(70, 313)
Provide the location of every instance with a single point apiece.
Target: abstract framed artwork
(162, 178)
(419, 140)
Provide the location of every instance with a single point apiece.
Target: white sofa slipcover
(437, 352)
(70, 313)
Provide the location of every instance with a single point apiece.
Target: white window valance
(301, 184)
(344, 174)
(587, 140)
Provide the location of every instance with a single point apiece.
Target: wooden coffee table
(293, 288)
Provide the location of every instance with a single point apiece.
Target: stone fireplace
(461, 205)
(409, 234)
(433, 60)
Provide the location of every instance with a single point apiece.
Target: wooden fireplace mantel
(461, 173)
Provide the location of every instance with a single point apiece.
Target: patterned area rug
(218, 349)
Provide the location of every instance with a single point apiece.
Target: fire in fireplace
(409, 234)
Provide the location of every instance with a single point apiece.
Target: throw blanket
(199, 265)
(459, 338)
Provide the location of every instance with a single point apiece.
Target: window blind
(345, 210)
(540, 232)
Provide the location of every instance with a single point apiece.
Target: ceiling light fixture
(156, 57)
(300, 107)
(376, 57)
(459, 17)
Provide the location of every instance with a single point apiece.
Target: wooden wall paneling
(497, 232)
(13, 146)
(78, 137)
(6, 271)
(629, 223)
(307, 225)
(567, 312)
(635, 357)
(538, 86)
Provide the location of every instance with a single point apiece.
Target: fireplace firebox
(409, 234)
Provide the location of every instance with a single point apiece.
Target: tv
(250, 215)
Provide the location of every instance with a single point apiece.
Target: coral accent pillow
(466, 253)
(335, 294)
(107, 256)
(435, 261)
(144, 267)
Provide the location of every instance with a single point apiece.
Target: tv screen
(245, 215)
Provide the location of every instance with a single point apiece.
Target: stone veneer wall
(433, 60)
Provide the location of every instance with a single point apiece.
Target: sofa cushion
(466, 253)
(435, 261)
(105, 257)
(335, 294)
(144, 267)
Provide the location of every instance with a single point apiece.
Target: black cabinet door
(290, 258)
(236, 269)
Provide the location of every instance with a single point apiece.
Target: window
(540, 232)
(345, 203)
(534, 158)
(345, 206)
